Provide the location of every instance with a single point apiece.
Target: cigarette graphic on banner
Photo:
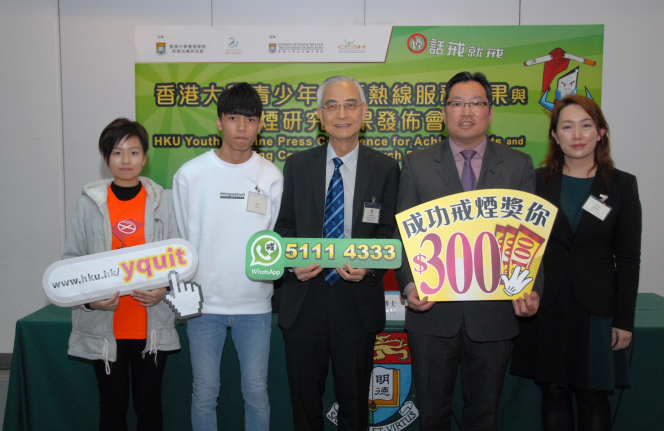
(476, 246)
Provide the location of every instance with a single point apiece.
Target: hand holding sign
(526, 305)
(185, 298)
(148, 298)
(110, 304)
(517, 282)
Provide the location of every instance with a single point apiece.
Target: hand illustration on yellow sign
(476, 246)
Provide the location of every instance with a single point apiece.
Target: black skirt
(566, 345)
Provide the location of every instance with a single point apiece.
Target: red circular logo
(417, 43)
(125, 226)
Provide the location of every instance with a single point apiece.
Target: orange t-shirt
(130, 320)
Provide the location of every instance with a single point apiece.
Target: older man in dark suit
(475, 334)
(334, 314)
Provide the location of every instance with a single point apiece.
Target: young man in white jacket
(211, 194)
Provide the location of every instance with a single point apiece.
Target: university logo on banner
(161, 48)
(390, 400)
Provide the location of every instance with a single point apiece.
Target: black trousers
(435, 362)
(329, 327)
(593, 409)
(146, 378)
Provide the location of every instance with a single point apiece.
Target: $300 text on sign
(476, 246)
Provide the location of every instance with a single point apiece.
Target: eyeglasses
(334, 107)
(474, 105)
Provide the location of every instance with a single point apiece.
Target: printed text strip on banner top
(476, 246)
(98, 276)
(268, 254)
(251, 44)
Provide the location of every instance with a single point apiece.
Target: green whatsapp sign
(268, 254)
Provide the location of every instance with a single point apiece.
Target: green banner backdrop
(528, 67)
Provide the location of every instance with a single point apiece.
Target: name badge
(257, 203)
(597, 208)
(371, 212)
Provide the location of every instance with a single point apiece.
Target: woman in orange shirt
(133, 331)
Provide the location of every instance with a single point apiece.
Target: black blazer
(431, 174)
(601, 261)
(303, 211)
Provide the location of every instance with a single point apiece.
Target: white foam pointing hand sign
(185, 298)
(98, 276)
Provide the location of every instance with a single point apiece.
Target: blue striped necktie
(334, 214)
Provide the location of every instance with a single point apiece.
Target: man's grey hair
(339, 78)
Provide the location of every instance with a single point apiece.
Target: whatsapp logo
(265, 250)
(264, 255)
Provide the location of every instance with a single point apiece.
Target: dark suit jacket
(431, 174)
(303, 211)
(601, 261)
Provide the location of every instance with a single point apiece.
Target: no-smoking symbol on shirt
(126, 227)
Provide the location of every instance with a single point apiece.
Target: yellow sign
(483, 245)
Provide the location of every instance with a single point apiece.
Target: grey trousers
(435, 362)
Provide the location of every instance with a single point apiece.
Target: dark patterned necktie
(468, 179)
(333, 227)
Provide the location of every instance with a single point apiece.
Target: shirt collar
(480, 148)
(350, 159)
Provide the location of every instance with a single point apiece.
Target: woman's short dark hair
(478, 77)
(240, 99)
(119, 129)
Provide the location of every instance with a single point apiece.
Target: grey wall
(67, 70)
(32, 217)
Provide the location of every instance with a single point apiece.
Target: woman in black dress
(574, 346)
